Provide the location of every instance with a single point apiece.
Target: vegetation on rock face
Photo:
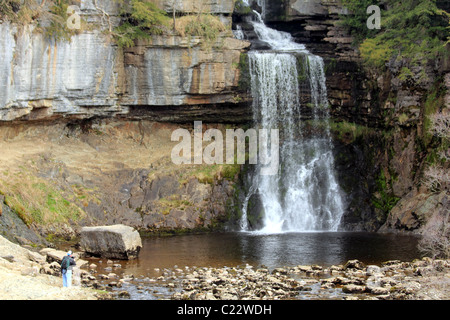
(206, 26)
(142, 18)
(436, 237)
(37, 201)
(50, 16)
(416, 30)
(383, 200)
(405, 62)
(437, 177)
(240, 8)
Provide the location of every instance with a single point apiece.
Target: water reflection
(274, 250)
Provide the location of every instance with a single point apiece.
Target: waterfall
(238, 34)
(304, 195)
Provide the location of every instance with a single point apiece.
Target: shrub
(141, 18)
(436, 237)
(437, 176)
(206, 26)
(440, 123)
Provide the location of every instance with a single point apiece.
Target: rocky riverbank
(393, 280)
(424, 279)
(29, 275)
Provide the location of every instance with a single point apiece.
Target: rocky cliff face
(90, 76)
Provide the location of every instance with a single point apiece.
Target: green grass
(172, 202)
(349, 132)
(38, 201)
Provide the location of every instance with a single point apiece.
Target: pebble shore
(393, 280)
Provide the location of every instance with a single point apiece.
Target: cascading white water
(304, 195)
(278, 40)
(238, 34)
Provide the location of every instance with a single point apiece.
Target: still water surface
(270, 250)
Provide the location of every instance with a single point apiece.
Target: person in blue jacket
(67, 264)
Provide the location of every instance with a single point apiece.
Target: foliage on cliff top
(141, 19)
(416, 30)
(206, 26)
(49, 16)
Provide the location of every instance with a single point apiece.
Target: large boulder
(114, 242)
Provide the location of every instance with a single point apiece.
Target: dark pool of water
(164, 255)
(274, 250)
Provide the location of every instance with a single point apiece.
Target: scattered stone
(353, 288)
(354, 264)
(373, 270)
(378, 290)
(394, 280)
(124, 294)
(116, 284)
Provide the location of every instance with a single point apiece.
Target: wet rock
(354, 264)
(116, 284)
(124, 294)
(378, 290)
(373, 270)
(353, 288)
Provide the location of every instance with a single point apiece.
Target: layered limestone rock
(179, 71)
(90, 76)
(315, 23)
(46, 78)
(196, 6)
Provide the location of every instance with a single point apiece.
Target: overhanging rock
(114, 242)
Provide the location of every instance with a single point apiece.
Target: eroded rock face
(116, 242)
(175, 71)
(90, 76)
(195, 6)
(44, 79)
